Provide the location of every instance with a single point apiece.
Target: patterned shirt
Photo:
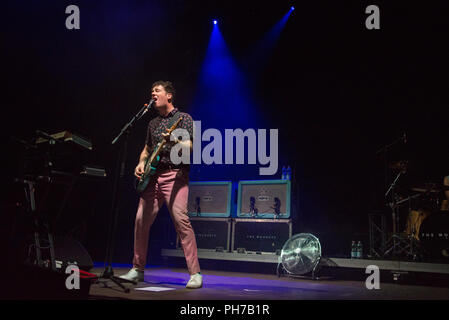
(159, 125)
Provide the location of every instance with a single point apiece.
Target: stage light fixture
(215, 21)
(292, 8)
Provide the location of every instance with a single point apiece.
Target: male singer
(170, 184)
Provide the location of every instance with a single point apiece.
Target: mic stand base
(108, 274)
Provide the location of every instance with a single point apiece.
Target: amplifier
(260, 235)
(209, 199)
(211, 233)
(264, 199)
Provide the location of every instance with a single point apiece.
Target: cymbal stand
(395, 240)
(400, 244)
(393, 204)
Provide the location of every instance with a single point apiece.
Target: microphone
(148, 106)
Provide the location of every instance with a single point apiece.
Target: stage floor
(169, 284)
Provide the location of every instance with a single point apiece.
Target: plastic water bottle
(288, 174)
(284, 173)
(359, 250)
(353, 250)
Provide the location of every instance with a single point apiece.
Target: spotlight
(215, 21)
(292, 8)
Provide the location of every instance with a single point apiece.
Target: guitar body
(150, 168)
(149, 171)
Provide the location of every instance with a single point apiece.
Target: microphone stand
(108, 272)
(252, 208)
(198, 208)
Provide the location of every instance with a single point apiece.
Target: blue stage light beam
(223, 100)
(265, 47)
(273, 35)
(223, 88)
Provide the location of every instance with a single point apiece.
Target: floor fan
(300, 255)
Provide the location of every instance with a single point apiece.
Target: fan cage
(302, 259)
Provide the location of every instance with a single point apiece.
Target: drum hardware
(392, 243)
(414, 221)
(394, 204)
(434, 236)
(445, 205)
(431, 187)
(400, 244)
(426, 232)
(398, 165)
(408, 198)
(403, 245)
(432, 193)
(408, 243)
(423, 190)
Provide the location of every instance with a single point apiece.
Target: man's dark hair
(168, 87)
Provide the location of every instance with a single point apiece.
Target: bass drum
(434, 236)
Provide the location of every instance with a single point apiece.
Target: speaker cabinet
(210, 199)
(264, 199)
(211, 233)
(260, 235)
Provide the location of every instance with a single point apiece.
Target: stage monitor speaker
(28, 281)
(34, 283)
(210, 199)
(264, 199)
(70, 251)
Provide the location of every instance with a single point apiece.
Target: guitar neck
(163, 141)
(157, 151)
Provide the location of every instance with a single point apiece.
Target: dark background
(336, 91)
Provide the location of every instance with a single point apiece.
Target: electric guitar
(152, 162)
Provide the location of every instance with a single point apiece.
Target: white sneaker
(195, 282)
(133, 275)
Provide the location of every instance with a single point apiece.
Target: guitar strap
(140, 186)
(174, 119)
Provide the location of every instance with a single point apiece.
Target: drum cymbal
(431, 188)
(398, 165)
(424, 190)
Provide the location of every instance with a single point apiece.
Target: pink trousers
(171, 187)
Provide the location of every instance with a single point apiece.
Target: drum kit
(425, 235)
